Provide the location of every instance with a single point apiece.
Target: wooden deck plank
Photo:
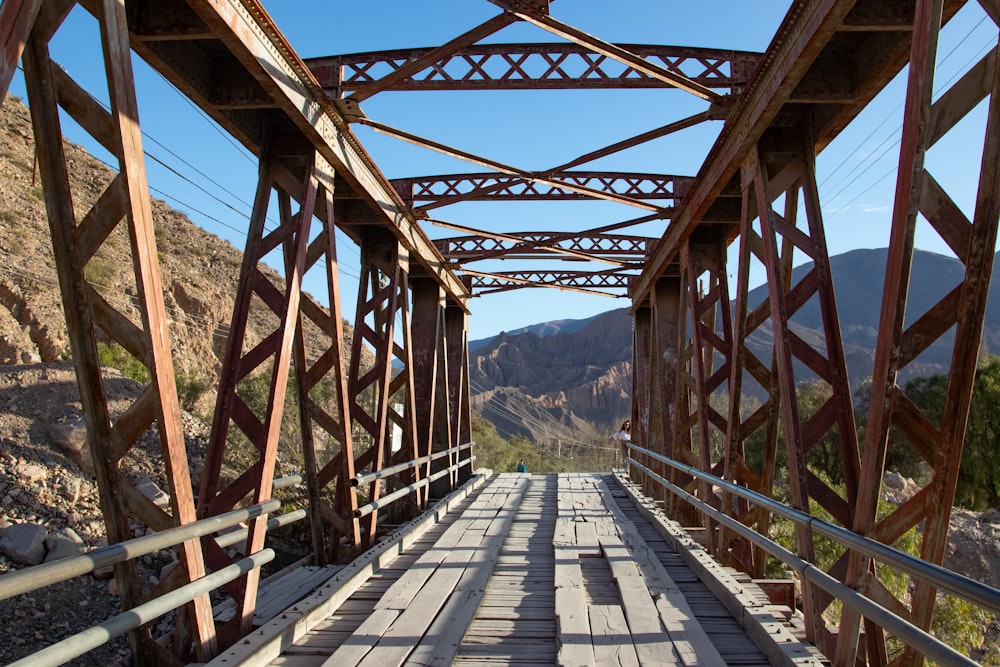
(570, 574)
(612, 641)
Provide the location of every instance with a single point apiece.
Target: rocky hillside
(200, 271)
(568, 385)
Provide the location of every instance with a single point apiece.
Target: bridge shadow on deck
(531, 570)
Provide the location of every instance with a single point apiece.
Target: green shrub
(114, 355)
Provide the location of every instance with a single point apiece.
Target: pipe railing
(390, 498)
(928, 645)
(147, 612)
(47, 574)
(367, 477)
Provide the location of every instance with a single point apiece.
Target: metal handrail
(367, 477)
(78, 644)
(388, 499)
(46, 574)
(910, 634)
(975, 591)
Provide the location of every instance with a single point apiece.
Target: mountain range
(573, 378)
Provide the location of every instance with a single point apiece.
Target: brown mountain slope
(567, 385)
(200, 271)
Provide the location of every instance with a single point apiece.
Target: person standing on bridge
(623, 436)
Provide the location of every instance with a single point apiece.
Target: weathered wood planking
(514, 623)
(408, 608)
(267, 643)
(771, 634)
(569, 575)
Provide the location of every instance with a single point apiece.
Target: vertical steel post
(667, 312)
(642, 350)
(458, 382)
(16, 20)
(74, 245)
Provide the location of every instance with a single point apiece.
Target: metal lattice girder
(382, 297)
(747, 367)
(709, 361)
(489, 186)
(327, 412)
(579, 280)
(524, 245)
(76, 243)
(962, 312)
(241, 436)
(826, 360)
(533, 66)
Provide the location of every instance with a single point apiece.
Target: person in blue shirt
(522, 466)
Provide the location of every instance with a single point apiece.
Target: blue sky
(212, 179)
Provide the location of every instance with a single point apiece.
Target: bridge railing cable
(957, 584)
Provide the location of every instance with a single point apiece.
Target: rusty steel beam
(75, 243)
(587, 282)
(494, 187)
(549, 246)
(534, 245)
(16, 20)
(802, 39)
(455, 66)
(485, 185)
(536, 177)
(542, 19)
(237, 43)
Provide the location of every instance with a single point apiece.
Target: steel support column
(459, 383)
(382, 297)
(667, 312)
(642, 351)
(428, 339)
(75, 245)
(962, 310)
(768, 179)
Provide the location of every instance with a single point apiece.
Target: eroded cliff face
(532, 384)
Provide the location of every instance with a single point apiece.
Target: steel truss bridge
(777, 110)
